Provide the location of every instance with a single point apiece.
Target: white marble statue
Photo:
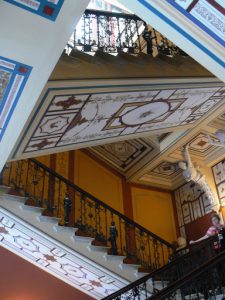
(192, 173)
(220, 134)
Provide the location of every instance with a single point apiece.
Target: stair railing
(113, 32)
(151, 285)
(204, 282)
(75, 207)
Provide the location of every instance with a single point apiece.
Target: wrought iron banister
(113, 32)
(121, 15)
(204, 282)
(75, 207)
(96, 200)
(168, 274)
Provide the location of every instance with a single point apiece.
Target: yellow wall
(45, 160)
(90, 176)
(154, 210)
(98, 181)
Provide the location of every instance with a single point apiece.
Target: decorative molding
(48, 9)
(13, 77)
(201, 144)
(45, 253)
(150, 188)
(125, 154)
(207, 15)
(165, 169)
(75, 119)
(219, 122)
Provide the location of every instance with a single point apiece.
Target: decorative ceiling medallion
(201, 143)
(166, 169)
(78, 119)
(125, 154)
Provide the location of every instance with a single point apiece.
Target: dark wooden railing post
(113, 234)
(67, 210)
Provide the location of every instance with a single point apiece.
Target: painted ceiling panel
(125, 154)
(68, 118)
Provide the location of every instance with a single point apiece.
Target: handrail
(189, 277)
(111, 14)
(93, 218)
(174, 262)
(117, 32)
(80, 190)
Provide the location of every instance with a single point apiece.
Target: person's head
(215, 219)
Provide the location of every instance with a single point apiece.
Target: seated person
(215, 229)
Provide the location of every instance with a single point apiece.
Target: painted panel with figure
(191, 204)
(219, 175)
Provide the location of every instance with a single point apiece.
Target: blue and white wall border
(209, 15)
(13, 77)
(184, 32)
(48, 9)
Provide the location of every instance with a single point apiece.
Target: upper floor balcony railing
(112, 33)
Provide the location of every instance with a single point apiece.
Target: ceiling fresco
(70, 119)
(139, 127)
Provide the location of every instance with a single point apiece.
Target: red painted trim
(51, 190)
(71, 177)
(192, 5)
(217, 6)
(128, 212)
(127, 200)
(71, 170)
(175, 215)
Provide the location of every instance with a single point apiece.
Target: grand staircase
(115, 252)
(49, 203)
